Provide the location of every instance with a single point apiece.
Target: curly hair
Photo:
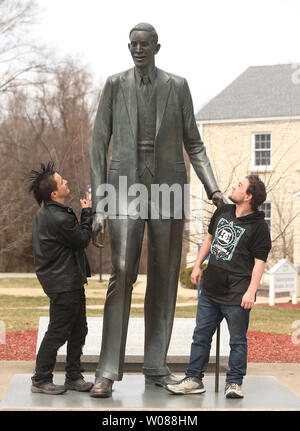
(258, 191)
(42, 182)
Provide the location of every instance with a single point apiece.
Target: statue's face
(142, 48)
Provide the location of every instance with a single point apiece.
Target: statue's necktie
(146, 87)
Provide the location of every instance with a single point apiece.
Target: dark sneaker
(79, 385)
(163, 381)
(233, 390)
(48, 388)
(188, 385)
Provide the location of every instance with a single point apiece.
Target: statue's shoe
(102, 388)
(163, 381)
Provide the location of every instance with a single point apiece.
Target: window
(267, 209)
(261, 151)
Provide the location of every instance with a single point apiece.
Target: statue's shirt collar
(151, 76)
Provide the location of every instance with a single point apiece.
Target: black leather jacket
(58, 244)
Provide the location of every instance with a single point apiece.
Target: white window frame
(260, 168)
(267, 218)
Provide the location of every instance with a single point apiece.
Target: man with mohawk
(62, 267)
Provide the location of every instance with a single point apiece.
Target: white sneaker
(233, 390)
(188, 385)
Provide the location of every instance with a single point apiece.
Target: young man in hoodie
(62, 268)
(238, 242)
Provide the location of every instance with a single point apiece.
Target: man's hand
(85, 203)
(196, 275)
(98, 230)
(248, 300)
(218, 199)
(257, 272)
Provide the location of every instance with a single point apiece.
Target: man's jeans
(209, 315)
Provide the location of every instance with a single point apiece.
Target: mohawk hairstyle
(42, 183)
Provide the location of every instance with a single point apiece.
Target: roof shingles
(259, 92)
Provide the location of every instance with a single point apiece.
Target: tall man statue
(149, 113)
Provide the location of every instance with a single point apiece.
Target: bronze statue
(149, 113)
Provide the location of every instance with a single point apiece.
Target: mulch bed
(262, 347)
(268, 347)
(19, 346)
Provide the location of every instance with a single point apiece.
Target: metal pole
(217, 359)
(100, 250)
(100, 265)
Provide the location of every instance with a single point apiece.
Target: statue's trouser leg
(164, 256)
(126, 238)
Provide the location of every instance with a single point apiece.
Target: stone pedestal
(260, 393)
(179, 350)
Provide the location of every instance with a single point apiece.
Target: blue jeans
(209, 315)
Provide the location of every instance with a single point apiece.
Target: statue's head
(143, 45)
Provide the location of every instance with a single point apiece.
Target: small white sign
(283, 278)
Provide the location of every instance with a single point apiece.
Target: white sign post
(283, 278)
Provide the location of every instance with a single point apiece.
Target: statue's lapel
(163, 87)
(128, 87)
(162, 94)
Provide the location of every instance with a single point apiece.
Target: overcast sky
(209, 42)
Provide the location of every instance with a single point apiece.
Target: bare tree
(20, 56)
(282, 228)
(52, 122)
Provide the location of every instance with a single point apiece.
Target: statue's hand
(98, 230)
(218, 199)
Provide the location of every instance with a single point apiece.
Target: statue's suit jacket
(175, 124)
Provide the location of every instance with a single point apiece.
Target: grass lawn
(19, 282)
(23, 312)
(276, 320)
(31, 283)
